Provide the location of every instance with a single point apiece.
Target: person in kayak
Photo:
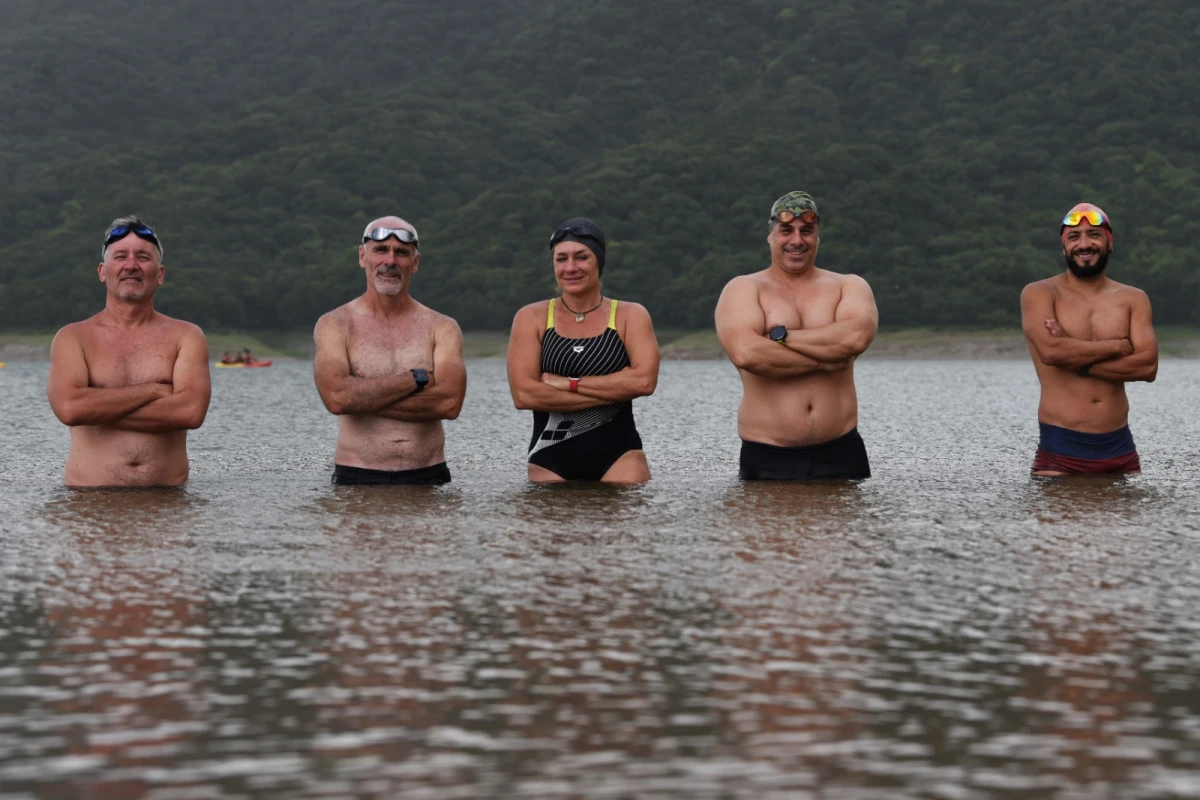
(130, 382)
(1088, 336)
(578, 361)
(227, 358)
(390, 368)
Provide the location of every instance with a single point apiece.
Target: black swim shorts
(357, 476)
(843, 457)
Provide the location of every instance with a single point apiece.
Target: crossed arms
(1114, 360)
(392, 397)
(533, 389)
(741, 324)
(181, 404)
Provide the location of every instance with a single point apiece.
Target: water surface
(950, 628)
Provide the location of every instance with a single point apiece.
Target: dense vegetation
(943, 141)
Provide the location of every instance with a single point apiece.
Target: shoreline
(1175, 341)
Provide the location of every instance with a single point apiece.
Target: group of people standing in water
(130, 382)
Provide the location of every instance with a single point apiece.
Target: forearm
(1074, 353)
(840, 341)
(1137, 367)
(93, 406)
(768, 359)
(617, 387)
(435, 403)
(180, 411)
(543, 397)
(353, 395)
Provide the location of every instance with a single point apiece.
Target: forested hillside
(943, 140)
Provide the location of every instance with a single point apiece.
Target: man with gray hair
(390, 368)
(130, 382)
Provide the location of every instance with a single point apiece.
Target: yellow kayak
(254, 365)
(3, 364)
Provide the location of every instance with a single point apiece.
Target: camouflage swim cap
(796, 202)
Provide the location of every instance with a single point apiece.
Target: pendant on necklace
(578, 317)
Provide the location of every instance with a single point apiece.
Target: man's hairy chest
(377, 350)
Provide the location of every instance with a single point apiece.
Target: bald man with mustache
(390, 368)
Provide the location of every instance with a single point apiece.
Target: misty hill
(942, 140)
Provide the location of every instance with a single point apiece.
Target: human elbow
(743, 357)
(646, 385)
(522, 400)
(451, 407)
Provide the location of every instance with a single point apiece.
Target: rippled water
(950, 628)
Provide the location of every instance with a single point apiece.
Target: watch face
(778, 333)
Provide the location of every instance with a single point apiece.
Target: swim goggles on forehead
(1093, 216)
(138, 230)
(786, 215)
(379, 234)
(583, 231)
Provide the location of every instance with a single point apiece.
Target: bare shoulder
(1131, 293)
(752, 281)
(443, 323)
(179, 329)
(337, 319)
(847, 280)
(632, 309)
(534, 311)
(1042, 288)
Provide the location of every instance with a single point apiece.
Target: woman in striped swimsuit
(577, 362)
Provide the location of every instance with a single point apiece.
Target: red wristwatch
(574, 384)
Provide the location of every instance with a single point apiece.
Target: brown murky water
(948, 629)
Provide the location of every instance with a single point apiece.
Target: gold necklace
(580, 315)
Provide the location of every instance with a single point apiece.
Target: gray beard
(391, 289)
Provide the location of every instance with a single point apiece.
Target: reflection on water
(950, 628)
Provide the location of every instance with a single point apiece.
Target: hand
(1055, 330)
(557, 381)
(165, 390)
(1126, 348)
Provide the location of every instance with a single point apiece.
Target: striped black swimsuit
(582, 445)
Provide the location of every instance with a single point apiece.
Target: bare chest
(117, 359)
(378, 350)
(1092, 319)
(812, 308)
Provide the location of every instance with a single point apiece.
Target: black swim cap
(583, 231)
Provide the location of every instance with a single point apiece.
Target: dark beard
(1088, 272)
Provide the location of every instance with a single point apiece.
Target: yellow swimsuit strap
(550, 315)
(612, 315)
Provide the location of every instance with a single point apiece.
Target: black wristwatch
(778, 334)
(421, 377)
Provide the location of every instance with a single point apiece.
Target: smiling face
(576, 268)
(1086, 248)
(794, 246)
(131, 270)
(391, 263)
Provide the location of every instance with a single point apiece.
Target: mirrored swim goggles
(1093, 215)
(379, 234)
(786, 215)
(138, 230)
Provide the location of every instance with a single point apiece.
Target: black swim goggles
(379, 234)
(137, 229)
(582, 231)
